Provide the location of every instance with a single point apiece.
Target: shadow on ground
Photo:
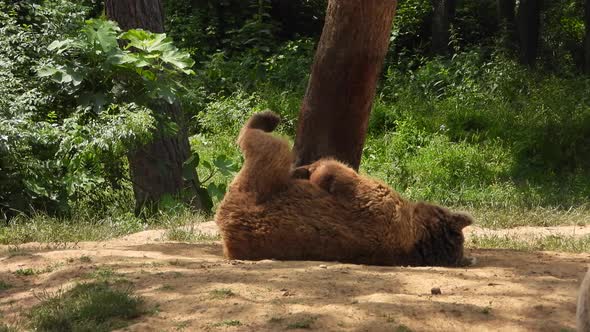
(191, 287)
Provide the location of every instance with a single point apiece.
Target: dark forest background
(482, 104)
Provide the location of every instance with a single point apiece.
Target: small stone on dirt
(323, 266)
(435, 291)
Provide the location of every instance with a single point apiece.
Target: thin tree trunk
(335, 111)
(587, 39)
(529, 12)
(157, 167)
(506, 22)
(443, 12)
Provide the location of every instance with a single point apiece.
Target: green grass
(182, 228)
(85, 259)
(103, 273)
(228, 322)
(182, 325)
(304, 323)
(188, 235)
(68, 232)
(497, 218)
(222, 293)
(16, 252)
(95, 306)
(7, 328)
(4, 285)
(166, 288)
(65, 232)
(548, 243)
(26, 272)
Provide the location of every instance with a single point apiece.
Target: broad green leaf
(180, 60)
(147, 74)
(46, 71)
(36, 188)
(76, 77)
(216, 190)
(224, 165)
(147, 41)
(207, 165)
(189, 167)
(121, 58)
(60, 45)
(106, 35)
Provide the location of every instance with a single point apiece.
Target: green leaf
(189, 167)
(36, 188)
(225, 165)
(216, 190)
(46, 71)
(168, 203)
(180, 60)
(147, 41)
(121, 58)
(60, 45)
(106, 34)
(147, 74)
(95, 100)
(207, 165)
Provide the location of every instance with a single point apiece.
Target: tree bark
(529, 12)
(136, 14)
(443, 12)
(587, 38)
(335, 111)
(157, 167)
(506, 22)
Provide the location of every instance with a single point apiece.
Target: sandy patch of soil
(505, 290)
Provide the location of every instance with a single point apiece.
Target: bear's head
(442, 240)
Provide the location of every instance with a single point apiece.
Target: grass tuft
(222, 293)
(65, 232)
(93, 306)
(229, 322)
(4, 285)
(26, 272)
(509, 217)
(304, 323)
(550, 243)
(7, 328)
(85, 259)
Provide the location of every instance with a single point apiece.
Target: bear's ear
(461, 220)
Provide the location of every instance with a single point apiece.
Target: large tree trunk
(335, 112)
(506, 22)
(587, 39)
(443, 12)
(157, 167)
(529, 12)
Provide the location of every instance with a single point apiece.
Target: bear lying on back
(326, 211)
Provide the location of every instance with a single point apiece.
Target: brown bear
(326, 211)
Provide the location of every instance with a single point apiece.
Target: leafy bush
(481, 130)
(65, 134)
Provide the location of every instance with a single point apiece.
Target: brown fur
(326, 211)
(583, 312)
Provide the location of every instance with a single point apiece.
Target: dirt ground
(185, 286)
